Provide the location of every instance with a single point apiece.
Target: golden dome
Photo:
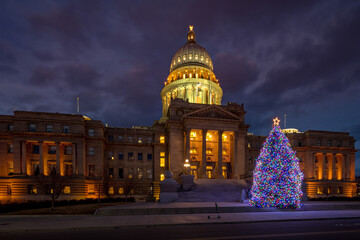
(191, 54)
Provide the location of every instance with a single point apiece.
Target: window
(32, 127)
(209, 151)
(196, 56)
(339, 190)
(91, 151)
(10, 168)
(250, 160)
(300, 159)
(178, 59)
(130, 173)
(10, 127)
(66, 129)
(111, 190)
(319, 190)
(121, 173)
(190, 56)
(202, 58)
(149, 173)
(121, 156)
(162, 177)
(36, 149)
(316, 159)
(49, 128)
(162, 139)
(68, 169)
(149, 157)
(68, 150)
(67, 190)
(52, 149)
(130, 156)
(329, 143)
(121, 190)
(140, 156)
(32, 189)
(91, 188)
(184, 57)
(149, 140)
(319, 142)
(338, 143)
(91, 170)
(111, 155)
(10, 148)
(300, 143)
(8, 190)
(130, 139)
(140, 140)
(140, 173)
(91, 132)
(111, 173)
(162, 159)
(110, 138)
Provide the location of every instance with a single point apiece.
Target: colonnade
(322, 165)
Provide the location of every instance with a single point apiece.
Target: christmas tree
(277, 176)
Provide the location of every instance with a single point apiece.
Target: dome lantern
(191, 35)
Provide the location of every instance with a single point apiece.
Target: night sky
(299, 58)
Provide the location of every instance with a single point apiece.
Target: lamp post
(186, 165)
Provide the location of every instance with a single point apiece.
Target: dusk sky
(299, 58)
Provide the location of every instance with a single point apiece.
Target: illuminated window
(224, 137)
(319, 190)
(339, 190)
(193, 151)
(10, 168)
(174, 62)
(196, 56)
(149, 174)
(209, 151)
(111, 190)
(162, 159)
(32, 189)
(190, 75)
(140, 140)
(184, 57)
(8, 190)
(67, 190)
(207, 60)
(184, 76)
(178, 59)
(202, 58)
(192, 134)
(111, 173)
(225, 152)
(49, 128)
(190, 56)
(130, 173)
(91, 170)
(130, 156)
(140, 173)
(10, 148)
(162, 177)
(162, 139)
(91, 151)
(91, 132)
(91, 188)
(121, 190)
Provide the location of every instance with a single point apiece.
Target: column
(187, 143)
(203, 165)
(74, 166)
(347, 166)
(333, 166)
(58, 158)
(62, 165)
(23, 157)
(41, 161)
(219, 172)
(343, 168)
(324, 165)
(314, 165)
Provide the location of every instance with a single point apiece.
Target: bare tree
(129, 186)
(53, 185)
(101, 187)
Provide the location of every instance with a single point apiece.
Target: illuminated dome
(191, 54)
(191, 77)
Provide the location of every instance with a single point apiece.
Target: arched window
(179, 59)
(190, 56)
(196, 57)
(184, 57)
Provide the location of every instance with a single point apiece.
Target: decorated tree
(277, 176)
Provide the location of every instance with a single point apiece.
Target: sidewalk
(31, 223)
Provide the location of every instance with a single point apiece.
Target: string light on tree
(277, 175)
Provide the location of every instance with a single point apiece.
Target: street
(319, 229)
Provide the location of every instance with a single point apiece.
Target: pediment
(212, 111)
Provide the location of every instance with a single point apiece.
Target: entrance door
(209, 172)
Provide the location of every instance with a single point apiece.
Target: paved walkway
(27, 223)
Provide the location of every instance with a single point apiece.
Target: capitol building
(194, 126)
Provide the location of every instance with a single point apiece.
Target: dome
(191, 54)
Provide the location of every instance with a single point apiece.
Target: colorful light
(277, 176)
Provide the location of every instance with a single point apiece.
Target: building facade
(194, 126)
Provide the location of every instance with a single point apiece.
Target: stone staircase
(214, 190)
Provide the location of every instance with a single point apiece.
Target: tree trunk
(52, 203)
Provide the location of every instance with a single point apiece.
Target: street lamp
(186, 165)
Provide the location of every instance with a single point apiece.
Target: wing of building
(194, 125)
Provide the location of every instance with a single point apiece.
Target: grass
(78, 209)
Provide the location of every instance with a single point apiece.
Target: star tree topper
(276, 121)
